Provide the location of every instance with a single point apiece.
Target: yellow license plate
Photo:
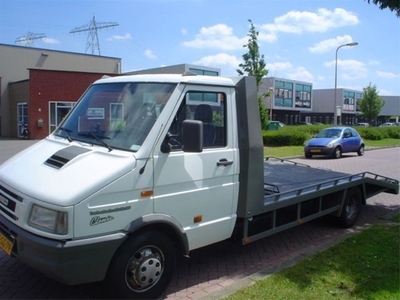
(6, 244)
(315, 151)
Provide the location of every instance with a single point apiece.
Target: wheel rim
(351, 208)
(337, 153)
(144, 269)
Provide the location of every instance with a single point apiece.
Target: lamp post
(271, 93)
(335, 114)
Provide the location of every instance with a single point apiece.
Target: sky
(298, 38)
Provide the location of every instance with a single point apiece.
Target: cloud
(126, 36)
(278, 66)
(221, 59)
(301, 74)
(330, 44)
(298, 22)
(387, 75)
(149, 54)
(351, 69)
(184, 31)
(219, 36)
(50, 41)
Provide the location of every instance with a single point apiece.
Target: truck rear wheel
(142, 268)
(351, 208)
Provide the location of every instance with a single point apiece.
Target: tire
(351, 208)
(361, 151)
(307, 155)
(142, 268)
(337, 153)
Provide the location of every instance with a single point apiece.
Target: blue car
(334, 141)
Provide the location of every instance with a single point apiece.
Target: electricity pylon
(29, 38)
(92, 27)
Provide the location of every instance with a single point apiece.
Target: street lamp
(270, 93)
(335, 115)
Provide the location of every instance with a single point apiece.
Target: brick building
(38, 87)
(46, 98)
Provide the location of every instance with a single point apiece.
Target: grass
(287, 151)
(364, 266)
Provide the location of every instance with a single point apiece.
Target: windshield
(116, 115)
(329, 133)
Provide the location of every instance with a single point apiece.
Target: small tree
(254, 65)
(371, 104)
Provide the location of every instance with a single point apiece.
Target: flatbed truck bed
(296, 193)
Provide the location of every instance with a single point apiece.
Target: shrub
(284, 138)
(393, 132)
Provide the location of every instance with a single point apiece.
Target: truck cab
(148, 155)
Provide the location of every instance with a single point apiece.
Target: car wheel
(142, 267)
(337, 153)
(361, 151)
(307, 155)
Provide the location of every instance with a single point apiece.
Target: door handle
(224, 162)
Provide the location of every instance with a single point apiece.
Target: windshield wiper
(98, 138)
(68, 131)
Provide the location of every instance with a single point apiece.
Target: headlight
(48, 220)
(329, 145)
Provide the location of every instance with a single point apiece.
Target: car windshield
(116, 115)
(329, 133)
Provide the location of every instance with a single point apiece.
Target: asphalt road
(217, 270)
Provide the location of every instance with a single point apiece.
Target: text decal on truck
(107, 211)
(100, 220)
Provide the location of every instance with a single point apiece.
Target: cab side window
(207, 107)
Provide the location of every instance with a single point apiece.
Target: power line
(92, 27)
(30, 38)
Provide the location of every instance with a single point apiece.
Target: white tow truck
(146, 168)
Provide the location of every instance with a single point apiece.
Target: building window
(349, 101)
(22, 116)
(203, 72)
(58, 111)
(303, 96)
(283, 94)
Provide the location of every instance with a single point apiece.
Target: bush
(371, 133)
(393, 132)
(284, 137)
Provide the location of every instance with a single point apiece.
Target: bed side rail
(374, 184)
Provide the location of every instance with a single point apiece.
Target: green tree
(371, 104)
(254, 65)
(393, 5)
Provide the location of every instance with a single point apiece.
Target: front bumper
(69, 262)
(319, 150)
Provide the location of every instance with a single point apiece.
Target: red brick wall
(46, 86)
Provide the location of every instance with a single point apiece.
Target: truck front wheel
(142, 268)
(351, 208)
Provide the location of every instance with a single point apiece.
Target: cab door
(199, 190)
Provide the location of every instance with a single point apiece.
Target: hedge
(297, 135)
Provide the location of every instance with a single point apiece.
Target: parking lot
(217, 270)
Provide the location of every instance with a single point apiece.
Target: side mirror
(192, 136)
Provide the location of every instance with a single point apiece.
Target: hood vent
(62, 157)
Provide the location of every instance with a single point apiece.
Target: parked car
(304, 123)
(387, 124)
(334, 141)
(362, 124)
